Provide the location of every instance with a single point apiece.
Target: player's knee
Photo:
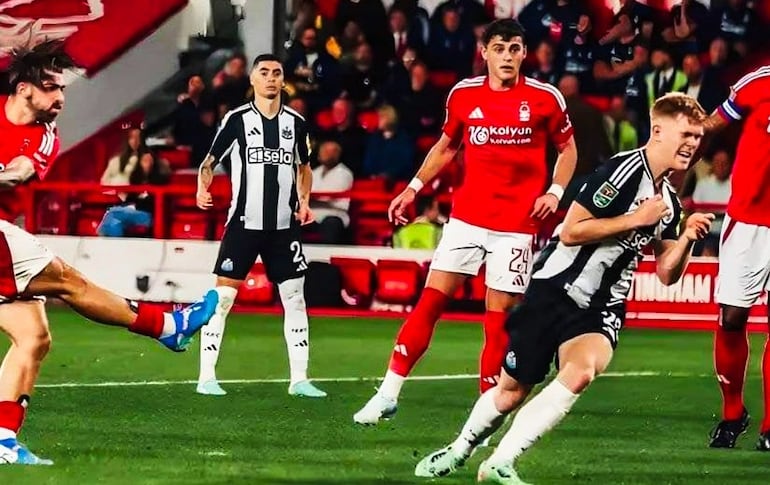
(293, 294)
(577, 376)
(35, 345)
(733, 319)
(227, 296)
(508, 398)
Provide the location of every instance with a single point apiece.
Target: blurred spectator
(504, 9)
(348, 134)
(714, 189)
(691, 25)
(702, 85)
(312, 71)
(389, 150)
(578, 60)
(361, 80)
(452, 45)
(120, 167)
(207, 130)
(401, 35)
(617, 62)
(193, 127)
(621, 133)
(331, 214)
(738, 25)
(421, 108)
(138, 208)
(471, 13)
(665, 77)
(299, 105)
(231, 84)
(424, 232)
(633, 18)
(398, 80)
(545, 68)
(373, 20)
(593, 147)
(718, 55)
(418, 18)
(479, 66)
(563, 22)
(351, 38)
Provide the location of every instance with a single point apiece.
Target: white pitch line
(443, 377)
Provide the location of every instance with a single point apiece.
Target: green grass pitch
(645, 423)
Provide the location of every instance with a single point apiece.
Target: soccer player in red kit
(29, 271)
(744, 254)
(505, 121)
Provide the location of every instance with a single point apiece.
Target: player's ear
(24, 89)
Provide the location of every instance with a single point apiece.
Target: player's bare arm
(205, 178)
(304, 186)
(582, 227)
(620, 29)
(16, 172)
(671, 256)
(439, 156)
(547, 203)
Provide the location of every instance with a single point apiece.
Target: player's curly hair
(34, 64)
(673, 104)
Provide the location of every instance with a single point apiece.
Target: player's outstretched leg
(411, 343)
(493, 350)
(296, 334)
(26, 325)
(211, 338)
(731, 355)
(173, 329)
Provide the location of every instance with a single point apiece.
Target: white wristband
(416, 185)
(556, 190)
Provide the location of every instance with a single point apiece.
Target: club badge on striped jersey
(605, 195)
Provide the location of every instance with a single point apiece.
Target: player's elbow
(10, 181)
(569, 236)
(668, 276)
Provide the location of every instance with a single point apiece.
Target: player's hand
(399, 205)
(651, 211)
(697, 226)
(204, 200)
(545, 205)
(304, 215)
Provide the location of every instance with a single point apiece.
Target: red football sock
(12, 414)
(493, 352)
(731, 354)
(766, 386)
(149, 321)
(414, 337)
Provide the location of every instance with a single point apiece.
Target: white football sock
(484, 420)
(295, 327)
(212, 333)
(391, 385)
(533, 420)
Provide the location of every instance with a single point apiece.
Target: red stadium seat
(87, 221)
(256, 289)
(178, 158)
(357, 280)
(376, 231)
(425, 143)
(369, 120)
(324, 120)
(398, 282)
(443, 80)
(189, 225)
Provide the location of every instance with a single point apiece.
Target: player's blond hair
(673, 104)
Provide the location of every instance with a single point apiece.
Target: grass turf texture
(644, 429)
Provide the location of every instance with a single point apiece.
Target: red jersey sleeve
(43, 149)
(559, 124)
(453, 124)
(750, 90)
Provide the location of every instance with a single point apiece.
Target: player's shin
(295, 327)
(484, 420)
(12, 416)
(213, 333)
(533, 420)
(493, 351)
(731, 353)
(413, 339)
(765, 428)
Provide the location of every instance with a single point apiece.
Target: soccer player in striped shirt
(574, 307)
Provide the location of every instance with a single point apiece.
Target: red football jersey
(38, 141)
(750, 100)
(505, 134)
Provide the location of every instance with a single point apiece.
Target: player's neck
(660, 164)
(496, 84)
(17, 112)
(268, 107)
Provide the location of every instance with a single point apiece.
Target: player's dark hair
(34, 64)
(424, 203)
(507, 29)
(265, 58)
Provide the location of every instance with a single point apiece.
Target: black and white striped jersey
(599, 275)
(261, 156)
